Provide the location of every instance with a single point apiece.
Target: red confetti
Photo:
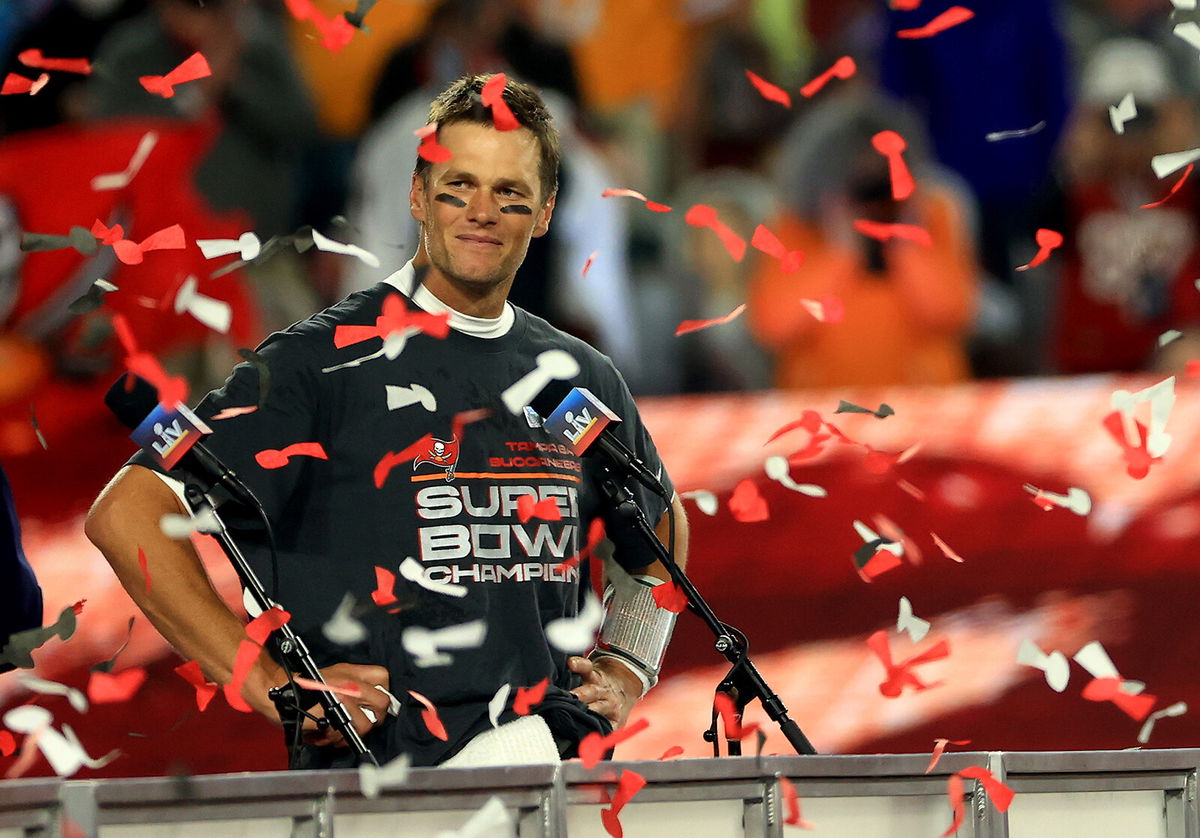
(953, 16)
(669, 597)
(394, 317)
(1192, 369)
(809, 421)
(900, 675)
(880, 563)
(946, 549)
(430, 149)
(1137, 457)
(595, 536)
(528, 697)
(702, 215)
(843, 68)
(1001, 795)
(623, 193)
(230, 412)
(734, 730)
(528, 506)
(35, 59)
(791, 801)
(349, 690)
(939, 747)
(260, 628)
(696, 325)
(629, 784)
(954, 791)
(171, 389)
(655, 206)
(193, 67)
(430, 717)
(769, 91)
(78, 607)
(1174, 189)
(247, 655)
(389, 461)
(671, 752)
(205, 689)
(335, 32)
(145, 566)
(133, 253)
(271, 458)
(1136, 706)
(905, 5)
(891, 145)
(593, 746)
(747, 505)
(104, 688)
(16, 84)
(493, 97)
(385, 587)
(587, 265)
(8, 744)
(766, 241)
(883, 231)
(1047, 240)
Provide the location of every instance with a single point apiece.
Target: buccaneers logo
(442, 454)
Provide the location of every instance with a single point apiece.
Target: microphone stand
(743, 683)
(292, 649)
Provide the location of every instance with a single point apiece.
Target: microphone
(587, 424)
(172, 437)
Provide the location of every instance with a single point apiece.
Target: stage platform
(1130, 794)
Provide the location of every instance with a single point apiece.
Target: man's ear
(416, 198)
(543, 222)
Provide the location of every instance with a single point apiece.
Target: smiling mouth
(478, 241)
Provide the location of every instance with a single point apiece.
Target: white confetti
(215, 314)
(413, 571)
(342, 628)
(119, 180)
(1169, 336)
(705, 500)
(910, 622)
(997, 136)
(247, 246)
(1096, 661)
(398, 397)
(427, 645)
(331, 246)
(1168, 164)
(577, 634)
(1122, 112)
(39, 685)
(1161, 397)
(371, 780)
(491, 821)
(497, 704)
(551, 364)
(868, 535)
(1188, 31)
(63, 750)
(1076, 500)
(1176, 709)
(777, 469)
(1055, 664)
(180, 527)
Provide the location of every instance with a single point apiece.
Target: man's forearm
(174, 592)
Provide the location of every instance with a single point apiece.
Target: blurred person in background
(20, 594)
(968, 87)
(1126, 270)
(699, 280)
(256, 103)
(60, 29)
(908, 308)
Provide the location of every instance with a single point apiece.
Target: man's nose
(483, 207)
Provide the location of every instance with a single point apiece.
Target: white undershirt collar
(480, 327)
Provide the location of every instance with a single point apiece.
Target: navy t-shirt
(454, 508)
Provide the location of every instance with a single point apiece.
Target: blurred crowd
(1006, 124)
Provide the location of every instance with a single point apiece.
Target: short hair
(462, 101)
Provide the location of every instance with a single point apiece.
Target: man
(458, 510)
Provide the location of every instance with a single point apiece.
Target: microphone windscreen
(131, 399)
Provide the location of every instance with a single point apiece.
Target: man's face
(480, 209)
